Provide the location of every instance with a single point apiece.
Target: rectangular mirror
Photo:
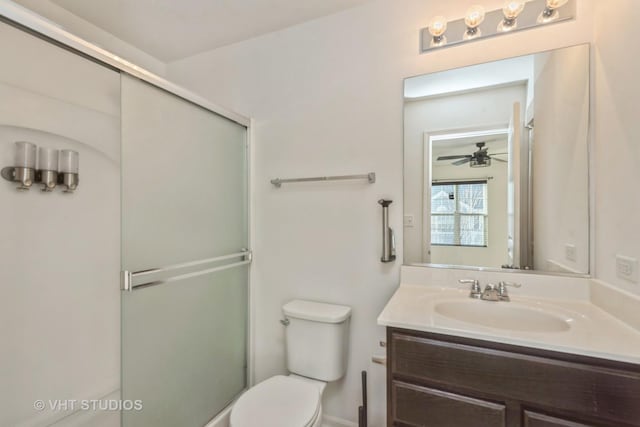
(496, 164)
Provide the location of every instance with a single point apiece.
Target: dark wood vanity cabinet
(443, 381)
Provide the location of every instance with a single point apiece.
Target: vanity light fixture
(550, 13)
(437, 28)
(473, 19)
(478, 23)
(511, 10)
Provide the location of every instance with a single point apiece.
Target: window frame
(457, 215)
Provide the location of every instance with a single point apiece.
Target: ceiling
(491, 74)
(174, 29)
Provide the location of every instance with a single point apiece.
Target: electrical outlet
(627, 268)
(408, 221)
(570, 252)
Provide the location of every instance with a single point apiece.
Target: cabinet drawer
(533, 419)
(426, 407)
(589, 390)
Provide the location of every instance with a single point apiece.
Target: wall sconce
(511, 10)
(515, 15)
(550, 13)
(54, 168)
(473, 19)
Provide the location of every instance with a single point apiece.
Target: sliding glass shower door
(184, 259)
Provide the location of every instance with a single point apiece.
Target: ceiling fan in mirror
(478, 159)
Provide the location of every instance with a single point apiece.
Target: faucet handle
(476, 292)
(503, 285)
(502, 289)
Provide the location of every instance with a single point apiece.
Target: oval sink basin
(502, 315)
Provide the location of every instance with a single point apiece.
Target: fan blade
(454, 157)
(462, 162)
(499, 160)
(498, 154)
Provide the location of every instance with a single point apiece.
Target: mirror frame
(590, 186)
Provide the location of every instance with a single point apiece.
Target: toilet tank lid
(316, 311)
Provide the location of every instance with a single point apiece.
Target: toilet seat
(280, 401)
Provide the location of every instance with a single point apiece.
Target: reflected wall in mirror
(496, 164)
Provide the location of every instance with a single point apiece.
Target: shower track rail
(127, 277)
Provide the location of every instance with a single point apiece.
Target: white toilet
(317, 341)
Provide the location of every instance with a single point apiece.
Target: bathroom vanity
(442, 380)
(550, 357)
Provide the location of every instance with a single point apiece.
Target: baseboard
(222, 419)
(329, 421)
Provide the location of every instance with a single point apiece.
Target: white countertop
(592, 332)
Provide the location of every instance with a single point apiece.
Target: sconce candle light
(477, 24)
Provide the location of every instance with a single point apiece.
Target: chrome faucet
(491, 292)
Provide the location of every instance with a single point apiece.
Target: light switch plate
(627, 268)
(408, 220)
(570, 252)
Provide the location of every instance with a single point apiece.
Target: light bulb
(550, 13)
(475, 16)
(556, 4)
(513, 8)
(437, 28)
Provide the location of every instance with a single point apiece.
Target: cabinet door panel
(533, 419)
(426, 407)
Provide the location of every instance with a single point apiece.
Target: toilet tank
(317, 339)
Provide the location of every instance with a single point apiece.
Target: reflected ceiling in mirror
(496, 164)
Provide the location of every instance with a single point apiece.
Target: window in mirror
(459, 215)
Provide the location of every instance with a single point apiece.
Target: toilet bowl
(280, 401)
(317, 337)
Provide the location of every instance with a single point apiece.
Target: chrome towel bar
(127, 277)
(371, 177)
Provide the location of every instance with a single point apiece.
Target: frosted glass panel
(184, 180)
(184, 347)
(184, 189)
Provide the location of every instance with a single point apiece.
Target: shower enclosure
(134, 289)
(184, 258)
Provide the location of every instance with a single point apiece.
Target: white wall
(327, 97)
(60, 253)
(467, 111)
(616, 155)
(560, 158)
(91, 33)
